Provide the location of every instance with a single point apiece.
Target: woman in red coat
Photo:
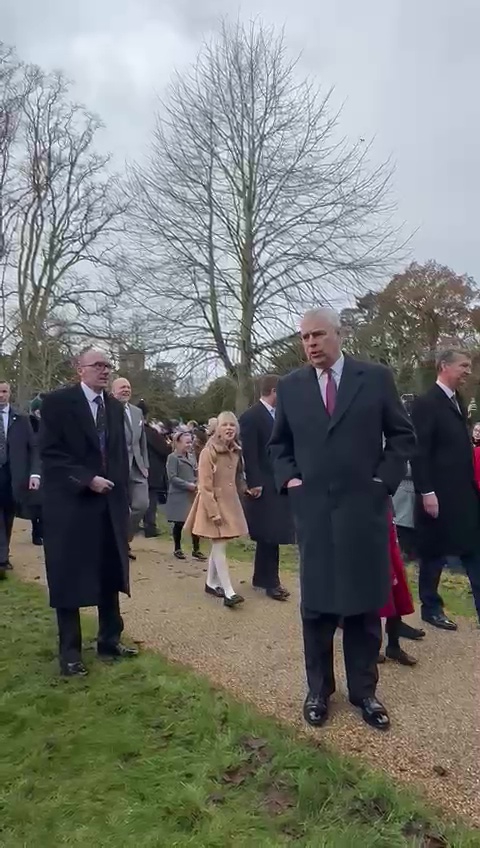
(400, 603)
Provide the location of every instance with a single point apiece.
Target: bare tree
(250, 207)
(64, 226)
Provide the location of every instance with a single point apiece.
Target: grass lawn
(143, 753)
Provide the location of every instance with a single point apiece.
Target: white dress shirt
(322, 376)
(91, 395)
(5, 413)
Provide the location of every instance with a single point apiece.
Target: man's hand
(217, 520)
(34, 483)
(101, 485)
(192, 487)
(294, 482)
(255, 491)
(430, 505)
(145, 472)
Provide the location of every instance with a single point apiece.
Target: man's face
(272, 399)
(321, 341)
(94, 370)
(4, 395)
(476, 433)
(456, 373)
(122, 390)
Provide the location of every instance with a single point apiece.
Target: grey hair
(326, 313)
(448, 355)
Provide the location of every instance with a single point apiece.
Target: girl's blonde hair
(230, 418)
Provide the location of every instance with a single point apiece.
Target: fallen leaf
(238, 774)
(253, 743)
(277, 801)
(440, 770)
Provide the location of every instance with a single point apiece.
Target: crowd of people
(329, 458)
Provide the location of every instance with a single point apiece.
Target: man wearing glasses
(86, 510)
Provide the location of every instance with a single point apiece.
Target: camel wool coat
(221, 481)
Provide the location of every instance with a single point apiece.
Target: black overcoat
(340, 511)
(158, 452)
(268, 517)
(74, 517)
(23, 458)
(443, 463)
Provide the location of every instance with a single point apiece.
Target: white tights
(218, 574)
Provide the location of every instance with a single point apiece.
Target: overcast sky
(408, 71)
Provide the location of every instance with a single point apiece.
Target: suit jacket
(136, 438)
(22, 456)
(268, 517)
(85, 534)
(341, 512)
(443, 463)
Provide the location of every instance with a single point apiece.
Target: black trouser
(150, 517)
(177, 537)
(362, 640)
(265, 572)
(110, 622)
(110, 628)
(37, 526)
(7, 513)
(430, 571)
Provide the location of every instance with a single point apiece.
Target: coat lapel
(350, 383)
(313, 389)
(448, 403)
(86, 417)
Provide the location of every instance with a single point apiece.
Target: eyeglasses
(99, 366)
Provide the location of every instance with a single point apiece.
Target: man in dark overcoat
(86, 509)
(267, 512)
(447, 514)
(19, 470)
(339, 447)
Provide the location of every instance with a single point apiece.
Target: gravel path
(256, 653)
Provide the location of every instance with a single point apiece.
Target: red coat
(400, 601)
(476, 464)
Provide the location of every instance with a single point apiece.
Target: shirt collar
(336, 368)
(89, 393)
(448, 391)
(6, 409)
(267, 406)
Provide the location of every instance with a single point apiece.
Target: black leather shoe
(74, 669)
(315, 709)
(373, 713)
(37, 540)
(440, 621)
(407, 632)
(217, 592)
(234, 601)
(400, 656)
(277, 594)
(198, 555)
(116, 651)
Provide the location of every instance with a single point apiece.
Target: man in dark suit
(339, 447)
(447, 515)
(19, 470)
(267, 512)
(86, 509)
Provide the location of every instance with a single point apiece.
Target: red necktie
(331, 393)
